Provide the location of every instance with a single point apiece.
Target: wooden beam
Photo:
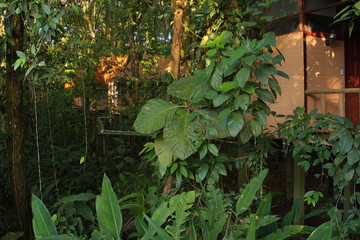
(331, 91)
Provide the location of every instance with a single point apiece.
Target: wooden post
(299, 188)
(341, 105)
(323, 103)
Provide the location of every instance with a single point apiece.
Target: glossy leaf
(242, 101)
(203, 170)
(235, 123)
(249, 193)
(260, 117)
(227, 86)
(216, 78)
(213, 149)
(108, 210)
(239, 52)
(252, 228)
(270, 38)
(161, 232)
(249, 60)
(284, 233)
(323, 232)
(353, 156)
(242, 76)
(265, 95)
(43, 225)
(255, 127)
(262, 75)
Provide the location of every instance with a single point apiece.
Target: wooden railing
(340, 91)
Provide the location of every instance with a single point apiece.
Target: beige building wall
(291, 46)
(325, 70)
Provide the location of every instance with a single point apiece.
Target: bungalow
(321, 58)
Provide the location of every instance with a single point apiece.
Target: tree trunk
(176, 38)
(15, 125)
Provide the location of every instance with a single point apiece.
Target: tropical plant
(215, 101)
(331, 142)
(349, 13)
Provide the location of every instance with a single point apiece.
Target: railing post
(342, 104)
(323, 103)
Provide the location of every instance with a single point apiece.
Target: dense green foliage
(229, 80)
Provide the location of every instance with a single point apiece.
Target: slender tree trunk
(15, 125)
(176, 38)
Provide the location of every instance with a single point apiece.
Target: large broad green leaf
(262, 75)
(242, 102)
(235, 123)
(108, 210)
(220, 99)
(255, 127)
(239, 52)
(265, 95)
(249, 193)
(42, 223)
(228, 66)
(353, 156)
(249, 60)
(227, 86)
(270, 38)
(242, 76)
(286, 232)
(245, 133)
(213, 122)
(153, 116)
(164, 153)
(179, 134)
(260, 117)
(274, 85)
(186, 88)
(216, 78)
(323, 232)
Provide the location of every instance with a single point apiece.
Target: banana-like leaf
(153, 116)
(60, 237)
(164, 154)
(252, 228)
(284, 233)
(108, 210)
(82, 197)
(159, 217)
(323, 232)
(161, 232)
(248, 195)
(42, 223)
(179, 134)
(265, 206)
